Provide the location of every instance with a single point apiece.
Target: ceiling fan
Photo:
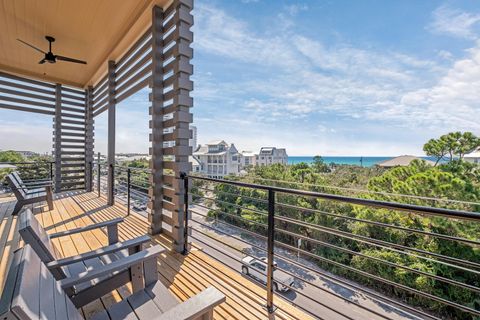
(49, 56)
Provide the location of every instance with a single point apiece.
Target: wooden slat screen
(27, 95)
(171, 117)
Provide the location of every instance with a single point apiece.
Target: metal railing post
(270, 249)
(184, 176)
(51, 171)
(128, 191)
(98, 174)
(90, 181)
(111, 175)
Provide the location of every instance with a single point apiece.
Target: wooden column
(156, 125)
(58, 138)
(171, 118)
(89, 134)
(182, 102)
(111, 133)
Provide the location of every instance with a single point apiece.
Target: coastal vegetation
(34, 167)
(406, 250)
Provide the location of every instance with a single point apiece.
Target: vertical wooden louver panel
(71, 139)
(89, 139)
(57, 134)
(156, 126)
(171, 117)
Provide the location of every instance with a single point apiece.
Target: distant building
(131, 157)
(473, 157)
(401, 161)
(248, 159)
(193, 141)
(271, 155)
(196, 165)
(27, 154)
(218, 159)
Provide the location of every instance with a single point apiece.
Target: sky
(359, 78)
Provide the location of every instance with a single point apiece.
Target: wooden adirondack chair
(63, 267)
(25, 196)
(32, 186)
(32, 293)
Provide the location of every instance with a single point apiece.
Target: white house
(196, 165)
(193, 141)
(218, 159)
(248, 159)
(473, 157)
(271, 155)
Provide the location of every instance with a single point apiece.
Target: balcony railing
(29, 171)
(130, 185)
(287, 232)
(282, 229)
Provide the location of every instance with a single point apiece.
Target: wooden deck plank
(184, 276)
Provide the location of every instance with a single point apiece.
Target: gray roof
(401, 161)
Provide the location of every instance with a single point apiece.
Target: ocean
(366, 161)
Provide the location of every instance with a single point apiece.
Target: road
(316, 295)
(327, 305)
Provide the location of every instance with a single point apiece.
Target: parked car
(257, 268)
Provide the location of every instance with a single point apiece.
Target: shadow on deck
(185, 276)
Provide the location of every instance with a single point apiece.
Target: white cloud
(453, 101)
(303, 79)
(454, 22)
(294, 9)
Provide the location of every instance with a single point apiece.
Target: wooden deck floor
(183, 275)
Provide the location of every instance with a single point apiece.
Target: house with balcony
(248, 159)
(218, 159)
(271, 155)
(86, 234)
(473, 157)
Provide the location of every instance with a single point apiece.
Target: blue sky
(317, 77)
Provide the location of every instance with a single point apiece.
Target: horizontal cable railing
(130, 184)
(28, 170)
(432, 201)
(420, 261)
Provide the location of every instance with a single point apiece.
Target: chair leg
(18, 207)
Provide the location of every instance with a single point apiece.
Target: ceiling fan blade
(41, 61)
(31, 46)
(70, 59)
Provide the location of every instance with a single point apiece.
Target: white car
(258, 269)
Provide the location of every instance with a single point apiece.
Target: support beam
(156, 125)
(57, 134)
(111, 133)
(89, 134)
(170, 155)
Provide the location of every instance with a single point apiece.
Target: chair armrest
(99, 252)
(196, 306)
(86, 228)
(116, 266)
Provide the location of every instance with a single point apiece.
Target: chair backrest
(15, 186)
(34, 235)
(16, 175)
(32, 293)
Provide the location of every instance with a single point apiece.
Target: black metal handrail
(459, 214)
(124, 180)
(273, 216)
(32, 165)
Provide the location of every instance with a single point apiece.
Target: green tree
(10, 156)
(453, 144)
(319, 165)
